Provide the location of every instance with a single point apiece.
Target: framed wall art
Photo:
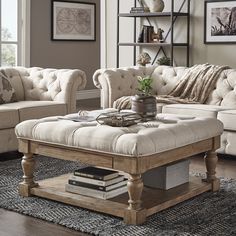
(220, 22)
(73, 20)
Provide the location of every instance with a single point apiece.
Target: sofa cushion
(7, 92)
(38, 109)
(194, 109)
(9, 117)
(228, 118)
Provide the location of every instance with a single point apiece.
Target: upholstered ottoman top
(165, 133)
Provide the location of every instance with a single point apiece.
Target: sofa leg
(135, 214)
(211, 160)
(28, 165)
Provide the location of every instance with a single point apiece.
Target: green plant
(144, 84)
(164, 61)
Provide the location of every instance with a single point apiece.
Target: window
(14, 34)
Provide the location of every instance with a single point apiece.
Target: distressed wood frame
(140, 201)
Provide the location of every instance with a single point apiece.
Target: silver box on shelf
(168, 176)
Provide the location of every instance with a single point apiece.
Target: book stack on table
(97, 182)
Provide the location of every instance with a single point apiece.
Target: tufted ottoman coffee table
(134, 150)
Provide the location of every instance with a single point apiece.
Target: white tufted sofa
(40, 93)
(117, 82)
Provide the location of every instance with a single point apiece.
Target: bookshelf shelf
(145, 44)
(152, 14)
(153, 44)
(169, 41)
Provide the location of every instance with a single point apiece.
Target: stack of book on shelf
(146, 35)
(97, 182)
(139, 9)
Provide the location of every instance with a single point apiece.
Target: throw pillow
(7, 93)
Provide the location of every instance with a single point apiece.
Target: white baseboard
(88, 94)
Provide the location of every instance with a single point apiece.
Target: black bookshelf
(161, 47)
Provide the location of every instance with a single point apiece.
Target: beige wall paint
(84, 55)
(220, 54)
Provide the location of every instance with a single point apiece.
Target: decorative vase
(144, 106)
(156, 5)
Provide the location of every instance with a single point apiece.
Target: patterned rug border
(218, 209)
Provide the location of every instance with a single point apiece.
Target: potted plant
(164, 61)
(144, 103)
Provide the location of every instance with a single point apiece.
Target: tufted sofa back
(46, 84)
(115, 83)
(165, 79)
(225, 92)
(118, 82)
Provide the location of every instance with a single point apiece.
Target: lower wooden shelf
(154, 200)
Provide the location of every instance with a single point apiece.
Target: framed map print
(73, 21)
(220, 21)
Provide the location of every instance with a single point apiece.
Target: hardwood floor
(14, 224)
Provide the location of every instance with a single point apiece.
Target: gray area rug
(207, 214)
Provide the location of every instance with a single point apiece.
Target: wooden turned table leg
(28, 165)
(211, 160)
(135, 214)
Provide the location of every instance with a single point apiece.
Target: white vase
(156, 5)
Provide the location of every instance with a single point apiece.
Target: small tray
(119, 119)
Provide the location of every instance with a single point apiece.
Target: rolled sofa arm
(70, 82)
(53, 85)
(117, 82)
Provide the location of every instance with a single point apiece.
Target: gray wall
(84, 55)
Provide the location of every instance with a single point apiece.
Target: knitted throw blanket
(195, 86)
